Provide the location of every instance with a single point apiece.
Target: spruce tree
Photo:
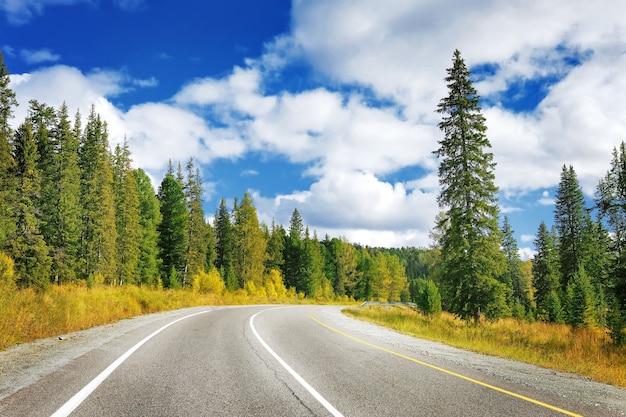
(172, 230)
(67, 225)
(611, 202)
(149, 219)
(569, 219)
(197, 230)
(28, 248)
(98, 251)
(275, 243)
(7, 163)
(546, 272)
(294, 254)
(471, 256)
(224, 246)
(127, 216)
(520, 287)
(249, 246)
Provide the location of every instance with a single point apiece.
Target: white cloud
(527, 238)
(22, 11)
(546, 200)
(39, 56)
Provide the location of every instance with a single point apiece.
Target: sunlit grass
(27, 314)
(585, 352)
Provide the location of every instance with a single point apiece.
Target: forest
(73, 209)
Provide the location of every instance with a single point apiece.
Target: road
(286, 361)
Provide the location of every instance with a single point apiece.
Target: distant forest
(73, 209)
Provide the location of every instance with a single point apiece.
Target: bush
(208, 282)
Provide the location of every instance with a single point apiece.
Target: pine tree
(520, 287)
(611, 202)
(545, 268)
(580, 299)
(149, 219)
(313, 266)
(569, 219)
(67, 222)
(28, 248)
(172, 230)
(275, 243)
(197, 230)
(7, 163)
(471, 256)
(249, 245)
(127, 216)
(98, 251)
(294, 254)
(224, 246)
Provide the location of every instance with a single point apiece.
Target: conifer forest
(74, 209)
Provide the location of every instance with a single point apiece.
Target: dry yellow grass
(581, 351)
(26, 314)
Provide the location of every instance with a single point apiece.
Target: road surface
(279, 361)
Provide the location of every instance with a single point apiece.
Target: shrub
(208, 282)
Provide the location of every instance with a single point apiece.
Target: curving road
(284, 361)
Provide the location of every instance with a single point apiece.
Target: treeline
(579, 272)
(72, 209)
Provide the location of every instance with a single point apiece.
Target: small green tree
(428, 298)
(149, 220)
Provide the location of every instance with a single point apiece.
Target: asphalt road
(284, 361)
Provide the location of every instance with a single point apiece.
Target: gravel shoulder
(25, 364)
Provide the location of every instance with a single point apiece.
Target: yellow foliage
(7, 273)
(274, 284)
(253, 291)
(208, 282)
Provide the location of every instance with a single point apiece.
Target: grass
(27, 314)
(585, 352)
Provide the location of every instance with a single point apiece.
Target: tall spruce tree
(28, 248)
(249, 244)
(7, 163)
(67, 223)
(569, 219)
(197, 228)
(127, 216)
(471, 256)
(294, 254)
(149, 219)
(224, 246)
(611, 202)
(98, 251)
(172, 230)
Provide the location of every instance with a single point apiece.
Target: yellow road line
(512, 394)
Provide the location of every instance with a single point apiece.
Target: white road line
(82, 395)
(293, 373)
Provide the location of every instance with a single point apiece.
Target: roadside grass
(586, 352)
(27, 314)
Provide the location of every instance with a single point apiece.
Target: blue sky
(328, 106)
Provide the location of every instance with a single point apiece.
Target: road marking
(82, 395)
(503, 391)
(293, 373)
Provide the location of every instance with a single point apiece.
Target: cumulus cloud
(349, 143)
(19, 12)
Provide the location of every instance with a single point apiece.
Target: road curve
(284, 361)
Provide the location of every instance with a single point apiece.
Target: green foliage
(172, 230)
(249, 244)
(7, 163)
(546, 280)
(98, 252)
(127, 217)
(149, 220)
(427, 297)
(197, 228)
(471, 256)
(580, 300)
(7, 272)
(224, 246)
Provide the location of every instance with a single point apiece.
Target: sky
(328, 106)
